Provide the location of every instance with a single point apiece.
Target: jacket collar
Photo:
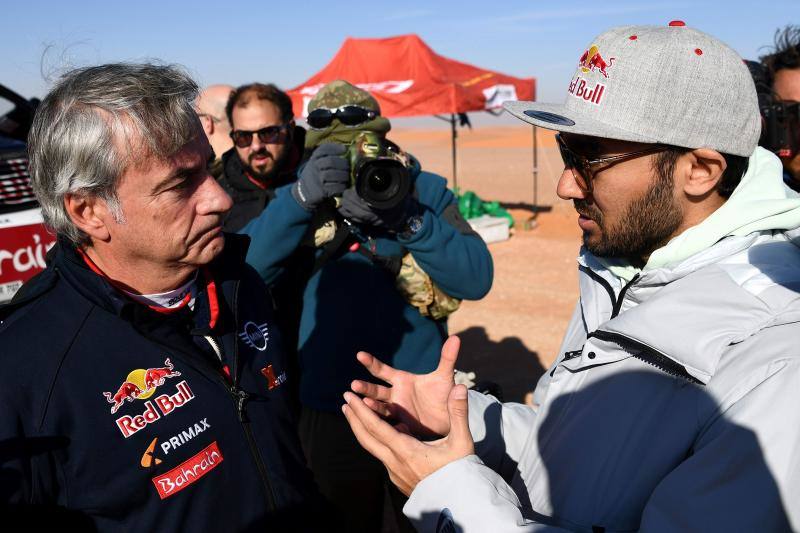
(693, 319)
(211, 310)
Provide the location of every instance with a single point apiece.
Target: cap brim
(557, 117)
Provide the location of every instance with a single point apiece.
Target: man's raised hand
(417, 402)
(407, 459)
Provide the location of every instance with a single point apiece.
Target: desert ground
(514, 333)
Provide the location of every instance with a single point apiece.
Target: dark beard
(264, 176)
(647, 224)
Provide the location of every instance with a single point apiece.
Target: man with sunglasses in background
(267, 148)
(780, 102)
(352, 295)
(672, 403)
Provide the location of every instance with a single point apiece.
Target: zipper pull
(241, 398)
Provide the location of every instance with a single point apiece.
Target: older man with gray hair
(143, 382)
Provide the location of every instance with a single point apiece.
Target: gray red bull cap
(657, 84)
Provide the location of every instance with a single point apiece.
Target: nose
(213, 198)
(567, 188)
(256, 144)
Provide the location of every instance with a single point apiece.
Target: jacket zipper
(240, 398)
(637, 349)
(616, 301)
(646, 353)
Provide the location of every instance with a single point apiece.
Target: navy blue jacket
(129, 418)
(352, 304)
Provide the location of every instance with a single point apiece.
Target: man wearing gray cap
(672, 404)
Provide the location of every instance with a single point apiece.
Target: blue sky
(286, 42)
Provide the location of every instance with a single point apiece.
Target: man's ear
(208, 124)
(705, 172)
(90, 214)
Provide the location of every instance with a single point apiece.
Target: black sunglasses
(268, 135)
(583, 169)
(349, 115)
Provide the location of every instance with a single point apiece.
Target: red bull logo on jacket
(140, 384)
(591, 60)
(161, 406)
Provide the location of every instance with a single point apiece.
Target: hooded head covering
(337, 94)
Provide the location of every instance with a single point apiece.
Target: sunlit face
(631, 211)
(260, 159)
(786, 87)
(172, 211)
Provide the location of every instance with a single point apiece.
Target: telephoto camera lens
(382, 182)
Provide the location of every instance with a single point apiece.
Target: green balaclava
(340, 93)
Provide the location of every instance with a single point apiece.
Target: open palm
(417, 402)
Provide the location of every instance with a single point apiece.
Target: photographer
(357, 295)
(777, 79)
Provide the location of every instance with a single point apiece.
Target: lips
(260, 157)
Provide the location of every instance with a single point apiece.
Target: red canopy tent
(409, 79)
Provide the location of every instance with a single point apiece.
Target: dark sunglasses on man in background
(268, 135)
(349, 115)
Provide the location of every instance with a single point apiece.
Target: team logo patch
(140, 384)
(591, 60)
(185, 436)
(167, 403)
(188, 471)
(580, 88)
(255, 335)
(149, 458)
(273, 380)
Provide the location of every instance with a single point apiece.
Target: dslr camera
(378, 170)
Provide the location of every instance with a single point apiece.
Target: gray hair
(98, 120)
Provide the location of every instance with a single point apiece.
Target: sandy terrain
(513, 333)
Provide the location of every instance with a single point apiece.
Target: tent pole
(535, 174)
(453, 140)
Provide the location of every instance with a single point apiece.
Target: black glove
(326, 174)
(354, 208)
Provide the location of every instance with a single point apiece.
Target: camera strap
(330, 248)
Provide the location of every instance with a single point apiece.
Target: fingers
(447, 361)
(364, 437)
(379, 407)
(326, 149)
(458, 409)
(375, 435)
(375, 367)
(372, 390)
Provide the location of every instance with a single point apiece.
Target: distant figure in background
(783, 74)
(210, 107)
(268, 146)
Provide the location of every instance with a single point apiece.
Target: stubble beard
(646, 225)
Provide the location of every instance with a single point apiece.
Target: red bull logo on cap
(591, 60)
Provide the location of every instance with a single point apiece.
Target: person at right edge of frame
(386, 268)
(672, 405)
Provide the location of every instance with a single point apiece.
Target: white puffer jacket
(674, 403)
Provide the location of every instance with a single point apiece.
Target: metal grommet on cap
(591, 355)
(677, 23)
